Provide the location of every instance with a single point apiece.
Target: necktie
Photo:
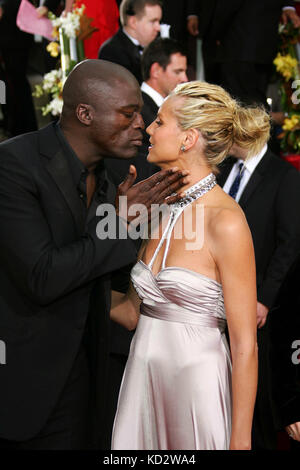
(237, 181)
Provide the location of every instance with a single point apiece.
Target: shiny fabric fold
(176, 389)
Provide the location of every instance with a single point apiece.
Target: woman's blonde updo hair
(221, 120)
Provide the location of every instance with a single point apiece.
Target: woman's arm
(125, 308)
(234, 256)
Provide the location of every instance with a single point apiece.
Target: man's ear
(191, 138)
(131, 21)
(84, 113)
(155, 70)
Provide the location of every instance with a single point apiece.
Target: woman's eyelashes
(158, 122)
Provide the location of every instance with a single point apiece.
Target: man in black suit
(140, 20)
(240, 42)
(284, 326)
(268, 191)
(56, 258)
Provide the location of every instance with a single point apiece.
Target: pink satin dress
(176, 388)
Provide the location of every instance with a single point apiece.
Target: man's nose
(184, 77)
(139, 122)
(157, 27)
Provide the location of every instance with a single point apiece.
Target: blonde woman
(182, 388)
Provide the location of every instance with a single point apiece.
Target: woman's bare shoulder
(226, 218)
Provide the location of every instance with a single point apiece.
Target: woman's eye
(158, 122)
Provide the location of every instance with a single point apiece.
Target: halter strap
(191, 195)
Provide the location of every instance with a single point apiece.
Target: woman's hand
(293, 431)
(42, 11)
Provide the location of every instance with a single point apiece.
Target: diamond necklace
(197, 190)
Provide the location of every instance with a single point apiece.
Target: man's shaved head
(102, 104)
(91, 80)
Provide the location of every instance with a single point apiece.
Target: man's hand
(154, 190)
(42, 11)
(1, 12)
(192, 25)
(262, 312)
(290, 14)
(293, 431)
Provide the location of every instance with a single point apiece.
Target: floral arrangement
(69, 31)
(287, 67)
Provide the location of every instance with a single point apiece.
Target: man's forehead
(152, 12)
(125, 95)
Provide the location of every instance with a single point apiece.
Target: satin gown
(176, 388)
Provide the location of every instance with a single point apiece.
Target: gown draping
(176, 389)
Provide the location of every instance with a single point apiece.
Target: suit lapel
(255, 179)
(225, 169)
(59, 170)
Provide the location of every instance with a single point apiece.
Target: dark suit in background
(240, 40)
(19, 112)
(121, 50)
(54, 293)
(270, 201)
(175, 16)
(284, 326)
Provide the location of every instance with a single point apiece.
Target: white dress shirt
(157, 98)
(249, 167)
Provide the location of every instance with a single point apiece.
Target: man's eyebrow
(135, 105)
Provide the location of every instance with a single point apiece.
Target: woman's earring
(182, 148)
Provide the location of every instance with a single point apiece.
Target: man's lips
(137, 141)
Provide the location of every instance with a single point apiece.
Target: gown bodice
(177, 293)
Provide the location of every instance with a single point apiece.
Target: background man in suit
(268, 190)
(239, 42)
(54, 268)
(140, 20)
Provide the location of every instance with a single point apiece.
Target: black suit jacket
(271, 201)
(284, 357)
(50, 259)
(246, 30)
(121, 50)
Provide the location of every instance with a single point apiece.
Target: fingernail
(174, 169)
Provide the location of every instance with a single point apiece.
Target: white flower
(55, 106)
(51, 78)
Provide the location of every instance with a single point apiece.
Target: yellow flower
(286, 65)
(53, 48)
(55, 33)
(290, 123)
